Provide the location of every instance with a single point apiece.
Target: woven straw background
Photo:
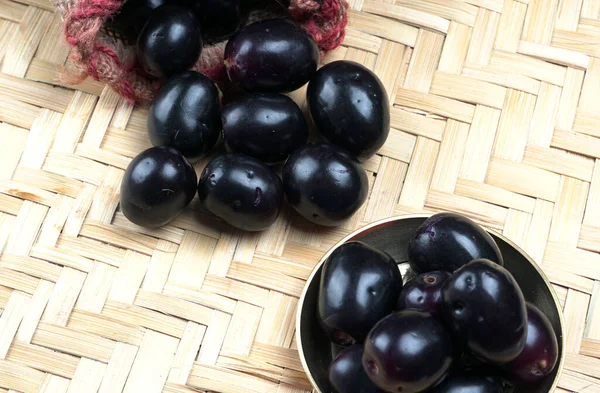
(495, 115)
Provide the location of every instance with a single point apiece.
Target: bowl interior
(392, 237)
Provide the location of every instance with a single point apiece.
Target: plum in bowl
(392, 236)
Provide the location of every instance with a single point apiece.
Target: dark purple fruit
(350, 107)
(170, 41)
(273, 55)
(241, 191)
(132, 16)
(469, 384)
(424, 293)
(485, 309)
(407, 352)
(359, 286)
(346, 372)
(447, 241)
(324, 183)
(540, 354)
(469, 364)
(266, 126)
(157, 185)
(185, 114)
(219, 19)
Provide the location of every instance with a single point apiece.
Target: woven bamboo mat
(495, 115)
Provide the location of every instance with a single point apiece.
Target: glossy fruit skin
(347, 375)
(424, 293)
(132, 16)
(350, 107)
(408, 351)
(447, 241)
(266, 126)
(359, 286)
(219, 19)
(485, 309)
(324, 183)
(185, 114)
(170, 41)
(158, 183)
(540, 355)
(469, 384)
(241, 191)
(273, 55)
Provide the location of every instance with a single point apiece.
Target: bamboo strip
(513, 128)
(510, 29)
(544, 115)
(213, 339)
(452, 149)
(528, 66)
(539, 21)
(186, 353)
(460, 12)
(417, 124)
(516, 226)
(94, 323)
(152, 363)
(118, 368)
(468, 89)
(383, 27)
(560, 162)
(523, 179)
(441, 106)
(63, 298)
(479, 143)
(424, 61)
(569, 99)
(539, 230)
(420, 172)
(482, 40)
(22, 47)
(14, 311)
(568, 211)
(407, 15)
(88, 377)
(391, 174)
(454, 51)
(38, 303)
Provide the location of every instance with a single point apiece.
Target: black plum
(170, 41)
(485, 309)
(185, 114)
(324, 183)
(273, 55)
(350, 107)
(469, 384)
(158, 183)
(347, 375)
(359, 286)
(267, 126)
(408, 351)
(469, 364)
(447, 241)
(132, 16)
(219, 19)
(540, 354)
(241, 190)
(424, 293)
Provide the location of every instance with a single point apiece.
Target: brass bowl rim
(358, 231)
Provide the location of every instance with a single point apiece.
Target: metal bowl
(391, 235)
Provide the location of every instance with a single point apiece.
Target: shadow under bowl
(391, 235)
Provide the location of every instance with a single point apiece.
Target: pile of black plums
(260, 129)
(460, 325)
